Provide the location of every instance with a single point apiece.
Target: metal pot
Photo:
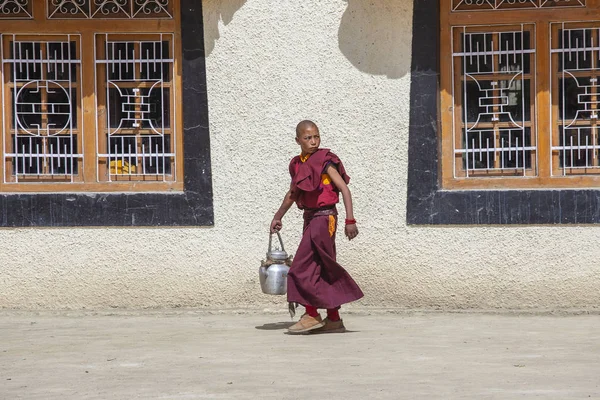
(273, 272)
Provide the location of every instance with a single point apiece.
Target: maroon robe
(315, 278)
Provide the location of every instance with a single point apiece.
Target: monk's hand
(351, 231)
(276, 225)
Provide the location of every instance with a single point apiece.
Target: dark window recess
(159, 107)
(54, 152)
(121, 58)
(482, 149)
(148, 156)
(517, 157)
(123, 148)
(472, 43)
(515, 41)
(153, 69)
(569, 105)
(155, 110)
(577, 152)
(518, 93)
(509, 60)
(57, 70)
(575, 39)
(483, 154)
(26, 68)
(58, 109)
(29, 107)
(475, 112)
(117, 117)
(157, 144)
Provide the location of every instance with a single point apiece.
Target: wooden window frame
(428, 203)
(87, 30)
(542, 18)
(193, 207)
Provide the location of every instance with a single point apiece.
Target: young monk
(315, 279)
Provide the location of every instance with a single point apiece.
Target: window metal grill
(135, 138)
(494, 97)
(16, 9)
(486, 5)
(115, 9)
(575, 50)
(41, 120)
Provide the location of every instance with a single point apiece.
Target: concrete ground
(194, 355)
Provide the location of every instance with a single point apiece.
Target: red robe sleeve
(308, 177)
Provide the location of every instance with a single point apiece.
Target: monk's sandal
(306, 324)
(330, 326)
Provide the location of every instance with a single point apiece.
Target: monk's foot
(306, 324)
(330, 326)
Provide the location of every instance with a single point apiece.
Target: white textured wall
(270, 64)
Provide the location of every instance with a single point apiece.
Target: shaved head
(303, 125)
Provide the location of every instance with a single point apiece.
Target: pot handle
(280, 241)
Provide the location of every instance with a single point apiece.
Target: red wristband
(350, 221)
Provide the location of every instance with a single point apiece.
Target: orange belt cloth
(331, 225)
(329, 212)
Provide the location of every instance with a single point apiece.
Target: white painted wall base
(344, 64)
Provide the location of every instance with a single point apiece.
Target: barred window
(482, 5)
(89, 94)
(519, 93)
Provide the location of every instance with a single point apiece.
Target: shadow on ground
(275, 326)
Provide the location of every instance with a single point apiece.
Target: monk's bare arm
(350, 230)
(276, 224)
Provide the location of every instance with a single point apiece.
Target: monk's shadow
(275, 326)
(374, 39)
(217, 15)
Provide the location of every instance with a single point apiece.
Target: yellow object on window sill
(120, 167)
